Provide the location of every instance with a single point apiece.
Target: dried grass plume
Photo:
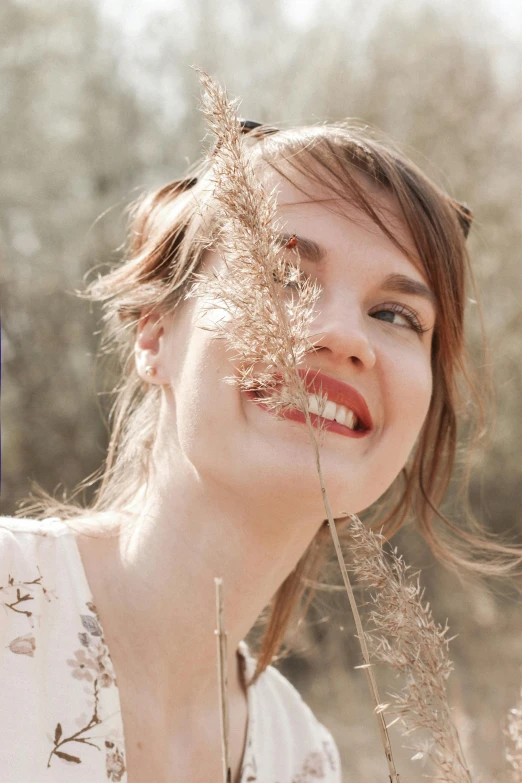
(263, 325)
(404, 635)
(514, 742)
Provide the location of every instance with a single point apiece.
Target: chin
(355, 492)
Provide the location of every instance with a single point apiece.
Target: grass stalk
(247, 286)
(221, 637)
(267, 327)
(379, 708)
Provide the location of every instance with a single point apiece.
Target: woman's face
(373, 303)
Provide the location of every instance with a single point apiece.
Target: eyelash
(411, 315)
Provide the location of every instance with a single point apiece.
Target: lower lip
(295, 415)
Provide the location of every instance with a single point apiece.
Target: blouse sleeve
(286, 741)
(332, 759)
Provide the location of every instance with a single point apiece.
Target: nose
(341, 333)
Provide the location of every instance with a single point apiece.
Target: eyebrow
(307, 248)
(402, 284)
(407, 285)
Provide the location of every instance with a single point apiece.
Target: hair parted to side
(169, 231)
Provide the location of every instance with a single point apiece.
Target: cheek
(206, 407)
(409, 395)
(407, 388)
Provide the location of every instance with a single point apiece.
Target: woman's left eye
(400, 315)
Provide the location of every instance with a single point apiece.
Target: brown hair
(167, 239)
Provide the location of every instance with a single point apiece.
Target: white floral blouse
(60, 707)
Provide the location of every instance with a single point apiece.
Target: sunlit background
(99, 102)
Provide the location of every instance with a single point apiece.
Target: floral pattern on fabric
(13, 597)
(330, 756)
(314, 768)
(114, 761)
(91, 663)
(59, 687)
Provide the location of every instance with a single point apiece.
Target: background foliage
(97, 105)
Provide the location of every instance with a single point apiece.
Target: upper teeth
(332, 411)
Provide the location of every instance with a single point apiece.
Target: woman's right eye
(284, 283)
(293, 278)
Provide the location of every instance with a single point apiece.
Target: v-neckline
(247, 662)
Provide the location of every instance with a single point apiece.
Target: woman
(200, 482)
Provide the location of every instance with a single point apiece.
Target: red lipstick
(338, 392)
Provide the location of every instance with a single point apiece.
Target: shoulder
(19, 533)
(283, 722)
(12, 527)
(39, 554)
(21, 540)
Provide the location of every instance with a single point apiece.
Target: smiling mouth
(335, 417)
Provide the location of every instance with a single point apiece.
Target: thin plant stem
(247, 217)
(368, 666)
(221, 636)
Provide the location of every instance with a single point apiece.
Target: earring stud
(150, 370)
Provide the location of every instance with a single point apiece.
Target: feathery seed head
(404, 635)
(269, 306)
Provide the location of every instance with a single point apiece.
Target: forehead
(306, 206)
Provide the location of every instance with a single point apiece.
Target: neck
(159, 585)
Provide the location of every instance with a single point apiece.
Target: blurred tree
(92, 109)
(71, 131)
(443, 83)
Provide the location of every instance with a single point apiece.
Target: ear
(147, 348)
